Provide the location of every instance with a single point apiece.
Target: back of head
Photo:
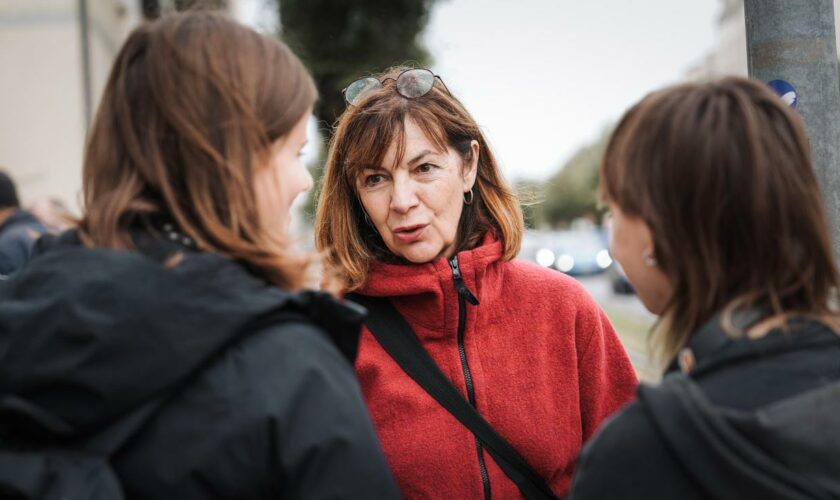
(8, 192)
(362, 137)
(721, 174)
(192, 104)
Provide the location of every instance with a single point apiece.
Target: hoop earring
(649, 260)
(468, 201)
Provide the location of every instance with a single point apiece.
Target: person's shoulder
(271, 372)
(19, 234)
(624, 456)
(626, 431)
(295, 344)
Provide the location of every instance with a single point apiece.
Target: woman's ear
(471, 166)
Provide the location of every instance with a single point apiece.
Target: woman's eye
(373, 180)
(424, 168)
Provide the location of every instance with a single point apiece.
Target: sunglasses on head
(411, 83)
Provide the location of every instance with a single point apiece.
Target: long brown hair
(192, 104)
(362, 137)
(721, 173)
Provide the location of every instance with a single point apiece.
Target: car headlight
(545, 257)
(565, 263)
(603, 259)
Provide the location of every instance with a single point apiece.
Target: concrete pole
(87, 91)
(794, 41)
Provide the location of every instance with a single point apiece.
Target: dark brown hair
(721, 173)
(192, 104)
(362, 137)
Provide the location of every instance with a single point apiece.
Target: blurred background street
(630, 319)
(546, 79)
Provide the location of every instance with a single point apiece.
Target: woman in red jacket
(414, 209)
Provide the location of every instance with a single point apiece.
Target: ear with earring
(468, 197)
(649, 259)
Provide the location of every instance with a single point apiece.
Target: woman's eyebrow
(420, 156)
(370, 166)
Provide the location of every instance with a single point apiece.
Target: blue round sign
(786, 91)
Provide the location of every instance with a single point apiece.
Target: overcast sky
(545, 77)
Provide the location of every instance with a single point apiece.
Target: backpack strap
(395, 335)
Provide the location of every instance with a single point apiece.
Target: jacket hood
(87, 335)
(787, 449)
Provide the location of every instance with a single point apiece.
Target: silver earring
(649, 259)
(468, 201)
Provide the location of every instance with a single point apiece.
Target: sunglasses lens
(415, 83)
(358, 89)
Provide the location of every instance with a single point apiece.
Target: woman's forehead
(387, 147)
(409, 147)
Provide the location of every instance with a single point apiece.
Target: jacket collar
(711, 347)
(425, 294)
(402, 280)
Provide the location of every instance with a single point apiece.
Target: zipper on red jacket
(464, 296)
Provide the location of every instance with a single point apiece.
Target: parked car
(580, 252)
(537, 247)
(577, 252)
(618, 280)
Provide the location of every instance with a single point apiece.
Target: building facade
(55, 56)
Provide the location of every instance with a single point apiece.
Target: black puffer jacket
(756, 418)
(268, 406)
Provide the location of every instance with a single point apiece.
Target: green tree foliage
(573, 191)
(341, 40)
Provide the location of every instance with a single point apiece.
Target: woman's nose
(404, 196)
(307, 180)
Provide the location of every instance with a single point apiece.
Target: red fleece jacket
(546, 365)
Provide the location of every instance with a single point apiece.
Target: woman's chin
(417, 253)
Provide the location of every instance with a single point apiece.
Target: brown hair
(721, 173)
(193, 102)
(362, 137)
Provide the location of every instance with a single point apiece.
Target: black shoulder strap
(395, 335)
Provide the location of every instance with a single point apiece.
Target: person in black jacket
(177, 300)
(18, 229)
(719, 224)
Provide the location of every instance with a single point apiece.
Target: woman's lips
(409, 234)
